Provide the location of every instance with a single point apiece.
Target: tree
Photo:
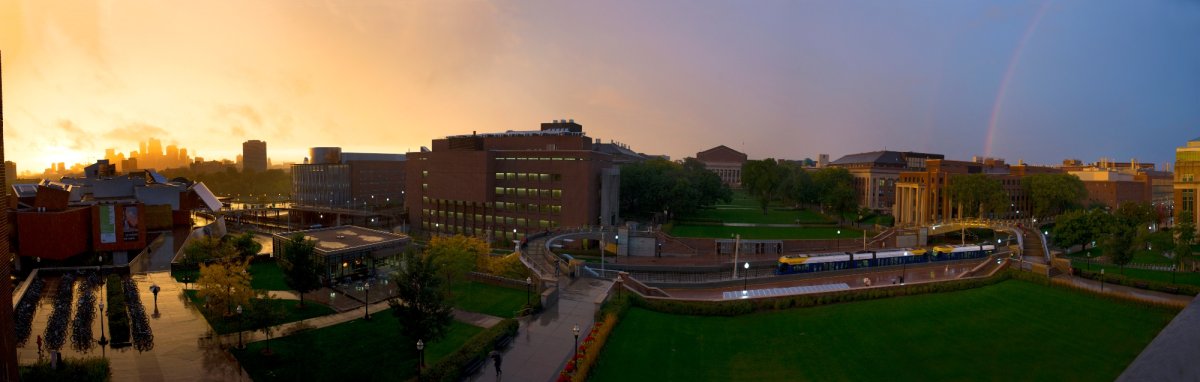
(208, 248)
(798, 187)
(1119, 247)
(419, 305)
(650, 187)
(835, 191)
(1053, 194)
(978, 192)
(1081, 227)
(455, 256)
(299, 268)
(763, 180)
(225, 284)
(264, 313)
(1136, 213)
(245, 245)
(1185, 230)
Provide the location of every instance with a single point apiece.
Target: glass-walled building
(347, 253)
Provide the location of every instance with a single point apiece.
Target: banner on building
(108, 224)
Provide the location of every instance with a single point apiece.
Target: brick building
(875, 174)
(724, 161)
(921, 196)
(502, 186)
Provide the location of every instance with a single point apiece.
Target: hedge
(1181, 289)
(451, 367)
(75, 370)
(118, 318)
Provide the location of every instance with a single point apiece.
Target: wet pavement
(184, 349)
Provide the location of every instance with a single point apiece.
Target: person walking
(497, 359)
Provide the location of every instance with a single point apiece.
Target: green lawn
(1012, 331)
(1190, 278)
(267, 276)
(754, 233)
(353, 351)
(755, 215)
(230, 325)
(487, 299)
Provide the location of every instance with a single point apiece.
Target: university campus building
(254, 156)
(331, 178)
(726, 162)
(1187, 165)
(876, 173)
(1112, 183)
(921, 196)
(503, 186)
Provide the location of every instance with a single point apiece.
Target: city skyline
(1034, 81)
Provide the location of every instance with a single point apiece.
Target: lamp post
(737, 239)
(839, 238)
(576, 348)
(420, 357)
(366, 300)
(746, 277)
(239, 314)
(103, 339)
(1101, 280)
(528, 285)
(904, 267)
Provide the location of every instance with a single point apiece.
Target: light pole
(904, 268)
(366, 300)
(737, 239)
(528, 285)
(420, 357)
(746, 277)
(839, 238)
(1101, 280)
(576, 351)
(103, 339)
(239, 314)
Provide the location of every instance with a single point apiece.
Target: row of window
(528, 192)
(442, 204)
(539, 159)
(525, 176)
(471, 231)
(430, 215)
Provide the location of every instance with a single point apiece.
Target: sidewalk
(183, 350)
(545, 342)
(1120, 290)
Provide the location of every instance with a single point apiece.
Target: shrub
(451, 367)
(1181, 289)
(75, 370)
(118, 316)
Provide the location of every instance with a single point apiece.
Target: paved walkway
(1119, 290)
(545, 342)
(183, 348)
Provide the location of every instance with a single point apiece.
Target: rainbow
(998, 105)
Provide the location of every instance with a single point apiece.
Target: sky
(1038, 81)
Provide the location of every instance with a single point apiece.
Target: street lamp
(904, 268)
(528, 285)
(239, 313)
(1101, 280)
(745, 276)
(576, 331)
(839, 238)
(420, 357)
(103, 339)
(366, 300)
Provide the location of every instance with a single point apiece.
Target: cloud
(137, 132)
(240, 113)
(73, 136)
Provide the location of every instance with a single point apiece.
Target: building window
(1189, 200)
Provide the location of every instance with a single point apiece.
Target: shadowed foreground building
(8, 337)
(503, 186)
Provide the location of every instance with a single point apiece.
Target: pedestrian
(496, 358)
(39, 342)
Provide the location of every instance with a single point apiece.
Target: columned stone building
(1187, 165)
(724, 161)
(922, 199)
(875, 174)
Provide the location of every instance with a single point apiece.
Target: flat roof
(348, 238)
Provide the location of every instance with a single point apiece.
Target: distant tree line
(830, 189)
(659, 186)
